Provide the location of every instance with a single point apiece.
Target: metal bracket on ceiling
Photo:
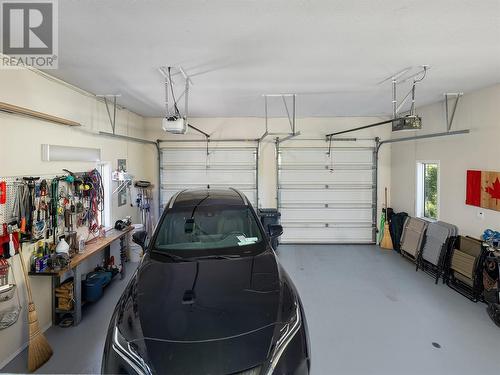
(291, 116)
(402, 77)
(168, 72)
(396, 79)
(112, 119)
(449, 119)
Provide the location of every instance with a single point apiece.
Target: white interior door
(326, 198)
(185, 168)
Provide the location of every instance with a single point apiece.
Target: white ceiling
(332, 51)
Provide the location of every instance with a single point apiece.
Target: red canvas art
(483, 189)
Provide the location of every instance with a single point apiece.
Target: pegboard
(84, 222)
(6, 210)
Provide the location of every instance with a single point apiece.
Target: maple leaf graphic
(494, 191)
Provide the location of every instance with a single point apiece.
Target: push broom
(386, 242)
(39, 350)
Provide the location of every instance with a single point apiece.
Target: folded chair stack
(412, 237)
(439, 237)
(464, 272)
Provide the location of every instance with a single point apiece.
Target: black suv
(209, 296)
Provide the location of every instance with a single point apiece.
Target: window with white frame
(427, 202)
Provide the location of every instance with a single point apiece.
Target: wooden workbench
(97, 244)
(92, 247)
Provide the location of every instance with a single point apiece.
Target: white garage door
(326, 199)
(185, 168)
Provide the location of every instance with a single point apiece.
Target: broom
(39, 350)
(386, 242)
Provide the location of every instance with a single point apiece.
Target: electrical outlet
(480, 215)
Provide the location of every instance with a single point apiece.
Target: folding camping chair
(439, 237)
(412, 237)
(464, 273)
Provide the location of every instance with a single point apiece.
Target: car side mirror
(275, 230)
(140, 238)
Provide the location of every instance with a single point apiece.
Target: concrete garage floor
(368, 312)
(78, 350)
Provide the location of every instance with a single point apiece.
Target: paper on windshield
(246, 240)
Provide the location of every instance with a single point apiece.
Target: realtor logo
(29, 33)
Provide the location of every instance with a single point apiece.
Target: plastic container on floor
(94, 284)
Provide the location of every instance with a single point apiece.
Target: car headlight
(287, 333)
(123, 348)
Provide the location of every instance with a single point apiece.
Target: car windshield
(203, 230)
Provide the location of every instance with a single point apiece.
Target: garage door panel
(204, 167)
(212, 177)
(315, 156)
(233, 156)
(326, 234)
(183, 156)
(292, 197)
(325, 177)
(198, 157)
(326, 215)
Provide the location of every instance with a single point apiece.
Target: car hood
(203, 314)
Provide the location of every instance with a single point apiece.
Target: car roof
(208, 196)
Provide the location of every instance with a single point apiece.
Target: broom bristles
(39, 350)
(386, 242)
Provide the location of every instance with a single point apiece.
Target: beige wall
(20, 154)
(478, 111)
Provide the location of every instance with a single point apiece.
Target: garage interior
(368, 130)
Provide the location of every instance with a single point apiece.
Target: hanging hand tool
(3, 192)
(68, 222)
(37, 205)
(70, 178)
(9, 240)
(4, 240)
(54, 204)
(20, 203)
(12, 249)
(43, 188)
(31, 188)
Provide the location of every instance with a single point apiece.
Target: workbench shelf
(94, 246)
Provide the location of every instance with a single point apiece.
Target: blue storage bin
(93, 285)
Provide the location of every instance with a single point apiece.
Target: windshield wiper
(227, 257)
(177, 258)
